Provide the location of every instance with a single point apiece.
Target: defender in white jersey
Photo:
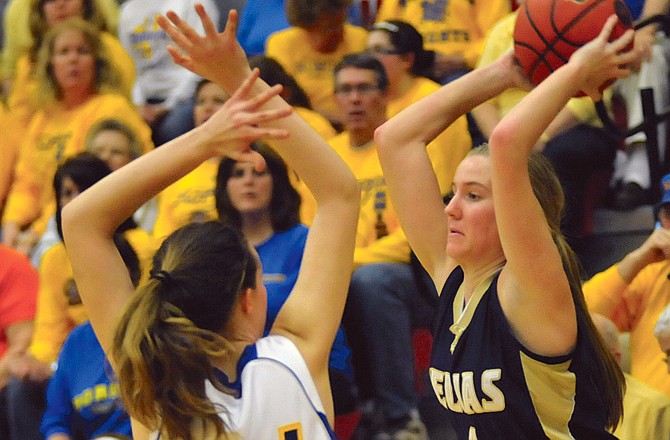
(187, 346)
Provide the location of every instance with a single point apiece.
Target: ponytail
(163, 363)
(605, 371)
(170, 331)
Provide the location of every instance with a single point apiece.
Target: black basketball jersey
(494, 388)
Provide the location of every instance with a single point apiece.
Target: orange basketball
(547, 32)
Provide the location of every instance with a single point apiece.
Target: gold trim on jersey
(552, 389)
(463, 315)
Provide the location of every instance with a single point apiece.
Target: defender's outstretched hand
(216, 56)
(240, 121)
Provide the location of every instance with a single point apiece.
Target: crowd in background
(90, 85)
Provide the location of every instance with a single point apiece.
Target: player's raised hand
(215, 55)
(602, 60)
(241, 120)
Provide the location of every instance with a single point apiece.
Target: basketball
(547, 32)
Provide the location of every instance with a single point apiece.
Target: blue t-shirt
(80, 396)
(281, 256)
(635, 7)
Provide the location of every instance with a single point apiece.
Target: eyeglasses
(378, 50)
(363, 89)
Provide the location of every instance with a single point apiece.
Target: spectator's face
(250, 191)
(56, 11)
(359, 99)
(664, 216)
(73, 62)
(664, 342)
(69, 191)
(113, 147)
(327, 33)
(395, 64)
(209, 99)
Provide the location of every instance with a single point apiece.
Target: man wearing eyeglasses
(634, 291)
(384, 302)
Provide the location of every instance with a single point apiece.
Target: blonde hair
(170, 330)
(38, 25)
(118, 126)
(107, 77)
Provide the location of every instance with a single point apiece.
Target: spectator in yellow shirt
(454, 30)
(646, 411)
(59, 307)
(317, 40)
(78, 86)
(44, 15)
(383, 305)
(191, 198)
(634, 292)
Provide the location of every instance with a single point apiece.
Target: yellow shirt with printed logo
(454, 27)
(189, 199)
(53, 135)
(59, 307)
(311, 69)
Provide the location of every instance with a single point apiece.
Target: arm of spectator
(618, 291)
(52, 322)
(18, 339)
(655, 248)
(644, 37)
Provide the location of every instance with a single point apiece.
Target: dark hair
(202, 83)
(107, 77)
(305, 13)
(39, 27)
(85, 169)
(170, 330)
(129, 257)
(273, 73)
(364, 61)
(591, 349)
(285, 200)
(407, 40)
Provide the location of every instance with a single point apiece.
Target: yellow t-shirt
(59, 307)
(53, 135)
(455, 27)
(499, 41)
(21, 98)
(189, 199)
(646, 413)
(635, 308)
(18, 39)
(448, 149)
(8, 148)
(377, 215)
(326, 130)
(317, 121)
(314, 70)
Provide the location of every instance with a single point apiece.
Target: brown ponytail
(166, 339)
